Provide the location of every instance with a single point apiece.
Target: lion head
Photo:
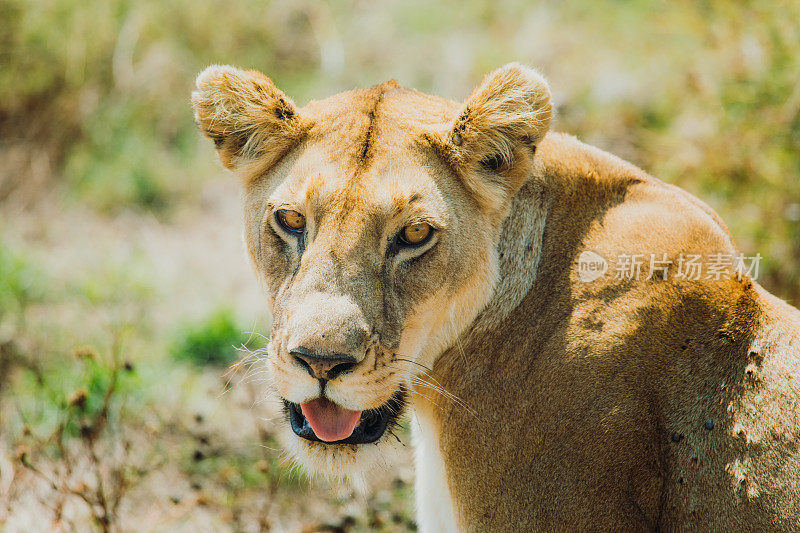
(371, 218)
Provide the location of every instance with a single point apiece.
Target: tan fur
(544, 402)
(249, 119)
(504, 117)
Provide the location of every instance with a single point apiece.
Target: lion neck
(515, 263)
(519, 251)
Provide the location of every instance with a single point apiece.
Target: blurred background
(124, 288)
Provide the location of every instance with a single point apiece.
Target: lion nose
(323, 367)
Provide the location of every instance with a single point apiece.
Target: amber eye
(416, 234)
(291, 220)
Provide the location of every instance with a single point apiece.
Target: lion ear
(492, 140)
(249, 119)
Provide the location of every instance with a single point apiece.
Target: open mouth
(321, 420)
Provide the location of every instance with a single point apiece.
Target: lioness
(458, 261)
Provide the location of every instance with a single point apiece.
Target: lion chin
(353, 462)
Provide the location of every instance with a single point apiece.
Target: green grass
(21, 283)
(213, 341)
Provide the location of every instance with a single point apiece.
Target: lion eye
(416, 234)
(291, 220)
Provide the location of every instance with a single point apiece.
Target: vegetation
(20, 283)
(213, 341)
(123, 288)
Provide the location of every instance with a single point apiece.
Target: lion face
(371, 218)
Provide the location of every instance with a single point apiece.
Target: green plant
(212, 341)
(75, 440)
(20, 282)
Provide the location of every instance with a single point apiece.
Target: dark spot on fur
(368, 138)
(283, 110)
(724, 335)
(680, 480)
(284, 113)
(757, 358)
(493, 163)
(677, 437)
(461, 123)
(709, 424)
(237, 141)
(695, 458)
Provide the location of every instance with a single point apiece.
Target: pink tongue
(330, 421)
